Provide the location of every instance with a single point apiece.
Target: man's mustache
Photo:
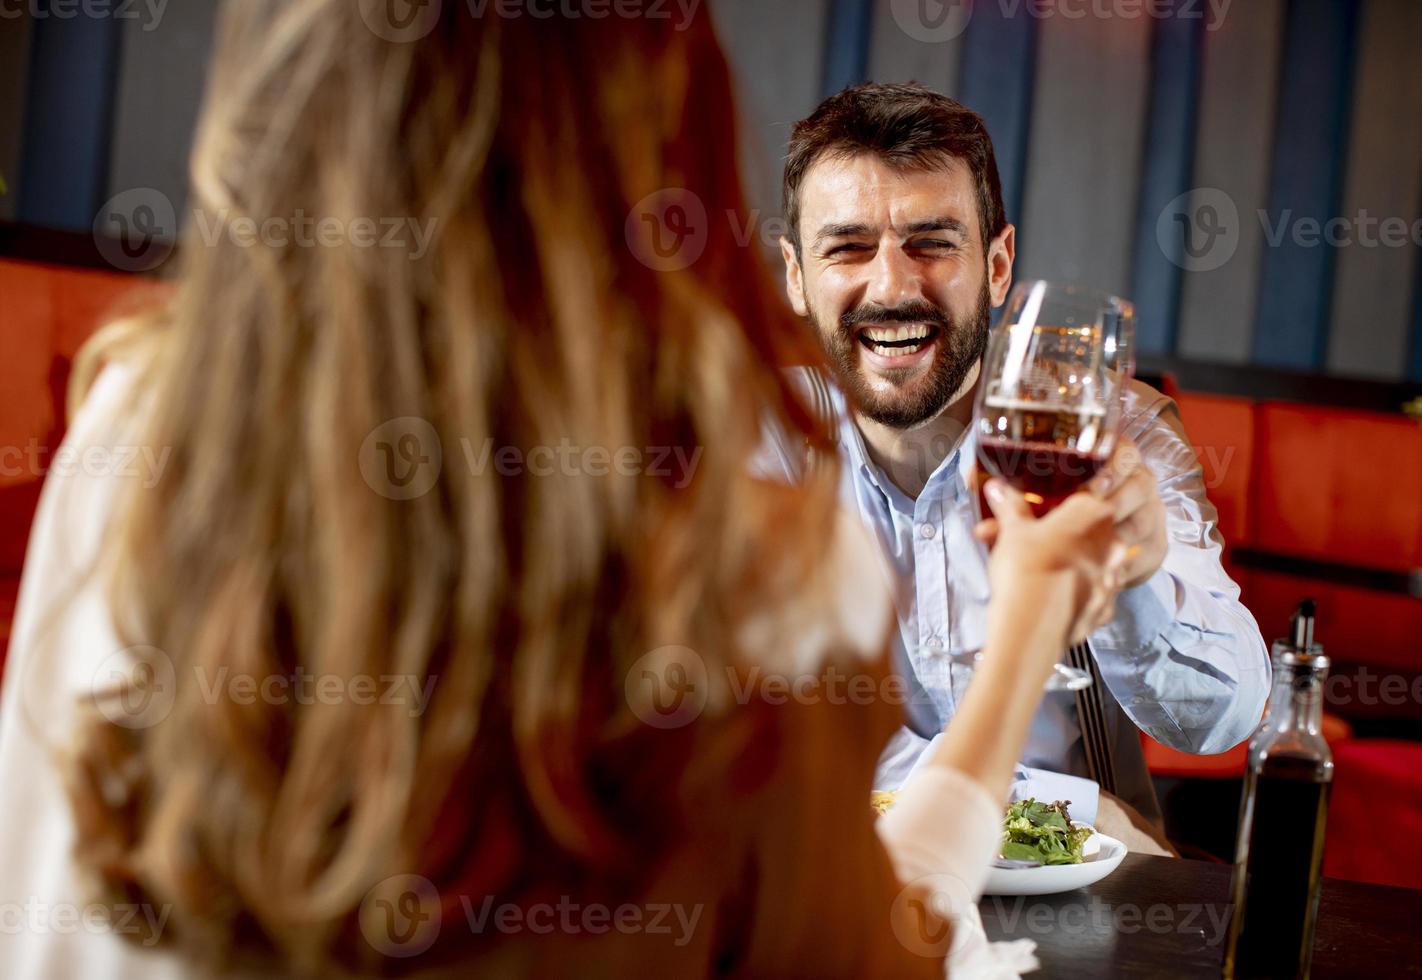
(917, 312)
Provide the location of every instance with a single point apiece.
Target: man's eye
(846, 247)
(935, 243)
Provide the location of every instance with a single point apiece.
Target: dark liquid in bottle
(1274, 929)
(1046, 474)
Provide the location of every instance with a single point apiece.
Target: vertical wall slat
(1414, 371)
(1372, 299)
(68, 121)
(14, 70)
(776, 53)
(846, 44)
(1084, 154)
(160, 90)
(1296, 285)
(1166, 171)
(1239, 91)
(997, 80)
(904, 49)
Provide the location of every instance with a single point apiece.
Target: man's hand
(1129, 487)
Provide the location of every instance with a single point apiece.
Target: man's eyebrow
(941, 223)
(843, 230)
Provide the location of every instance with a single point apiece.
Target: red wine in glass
(1036, 449)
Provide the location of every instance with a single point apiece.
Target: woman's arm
(1051, 584)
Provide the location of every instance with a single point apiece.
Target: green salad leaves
(1042, 832)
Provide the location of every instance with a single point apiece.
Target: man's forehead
(839, 189)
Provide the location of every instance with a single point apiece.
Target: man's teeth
(883, 351)
(907, 332)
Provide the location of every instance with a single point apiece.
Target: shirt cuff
(1047, 786)
(943, 823)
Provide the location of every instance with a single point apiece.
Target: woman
(325, 522)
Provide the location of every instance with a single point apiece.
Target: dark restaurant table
(1167, 917)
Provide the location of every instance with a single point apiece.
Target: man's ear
(794, 278)
(1002, 251)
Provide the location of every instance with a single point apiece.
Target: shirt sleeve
(943, 823)
(63, 650)
(1183, 656)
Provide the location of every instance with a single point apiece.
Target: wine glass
(1051, 392)
(1049, 403)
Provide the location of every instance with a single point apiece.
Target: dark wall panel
(68, 121)
(1310, 146)
(159, 94)
(14, 69)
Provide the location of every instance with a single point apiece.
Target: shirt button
(927, 531)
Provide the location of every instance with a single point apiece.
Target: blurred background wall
(1184, 153)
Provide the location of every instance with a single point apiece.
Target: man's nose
(895, 278)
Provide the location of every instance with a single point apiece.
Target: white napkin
(974, 957)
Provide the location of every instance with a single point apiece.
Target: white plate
(1100, 855)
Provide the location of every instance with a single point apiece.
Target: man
(895, 218)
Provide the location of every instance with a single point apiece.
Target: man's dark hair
(907, 126)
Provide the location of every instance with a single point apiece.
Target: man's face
(894, 275)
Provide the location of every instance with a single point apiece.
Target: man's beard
(960, 346)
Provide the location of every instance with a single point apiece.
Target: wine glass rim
(1075, 291)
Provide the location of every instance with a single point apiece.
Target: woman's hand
(1053, 579)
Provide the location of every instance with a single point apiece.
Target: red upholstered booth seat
(46, 314)
(1343, 487)
(1375, 818)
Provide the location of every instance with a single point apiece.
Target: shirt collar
(856, 455)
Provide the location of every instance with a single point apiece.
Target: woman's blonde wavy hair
(524, 599)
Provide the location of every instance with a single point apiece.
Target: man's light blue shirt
(1183, 659)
